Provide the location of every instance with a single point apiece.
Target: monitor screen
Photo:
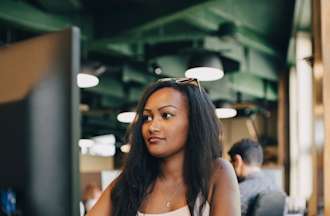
(39, 123)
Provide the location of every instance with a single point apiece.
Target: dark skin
(165, 132)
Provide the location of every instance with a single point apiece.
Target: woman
(173, 167)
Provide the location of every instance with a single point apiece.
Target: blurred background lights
(125, 148)
(126, 117)
(225, 113)
(87, 80)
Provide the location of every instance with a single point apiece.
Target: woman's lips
(155, 140)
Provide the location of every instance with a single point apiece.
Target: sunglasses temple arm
(199, 86)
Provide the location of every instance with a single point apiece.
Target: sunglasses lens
(192, 81)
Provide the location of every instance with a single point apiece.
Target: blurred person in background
(246, 157)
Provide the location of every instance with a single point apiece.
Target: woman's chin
(158, 153)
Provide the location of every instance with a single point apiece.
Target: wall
(90, 163)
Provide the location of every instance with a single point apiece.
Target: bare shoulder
(222, 171)
(103, 205)
(224, 198)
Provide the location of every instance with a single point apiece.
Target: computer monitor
(40, 123)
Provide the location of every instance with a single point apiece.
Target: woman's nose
(154, 126)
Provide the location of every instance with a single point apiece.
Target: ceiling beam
(137, 74)
(246, 32)
(122, 45)
(150, 39)
(110, 48)
(252, 39)
(242, 36)
(109, 87)
(250, 84)
(247, 38)
(158, 16)
(131, 32)
(224, 13)
(206, 21)
(24, 16)
(60, 5)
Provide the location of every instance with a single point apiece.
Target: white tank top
(183, 211)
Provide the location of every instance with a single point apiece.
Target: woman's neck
(172, 168)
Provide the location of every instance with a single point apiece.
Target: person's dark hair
(141, 169)
(249, 150)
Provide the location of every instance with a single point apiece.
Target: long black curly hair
(202, 148)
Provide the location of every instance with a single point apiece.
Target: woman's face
(165, 125)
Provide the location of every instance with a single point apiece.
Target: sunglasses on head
(185, 80)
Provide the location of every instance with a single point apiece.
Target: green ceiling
(128, 36)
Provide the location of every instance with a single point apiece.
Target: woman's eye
(146, 118)
(167, 115)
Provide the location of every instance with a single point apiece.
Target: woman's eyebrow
(160, 108)
(163, 107)
(146, 110)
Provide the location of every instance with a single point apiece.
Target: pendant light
(126, 117)
(205, 66)
(87, 80)
(223, 113)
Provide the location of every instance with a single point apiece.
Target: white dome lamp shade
(205, 67)
(126, 117)
(223, 113)
(104, 145)
(85, 144)
(88, 76)
(103, 150)
(85, 80)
